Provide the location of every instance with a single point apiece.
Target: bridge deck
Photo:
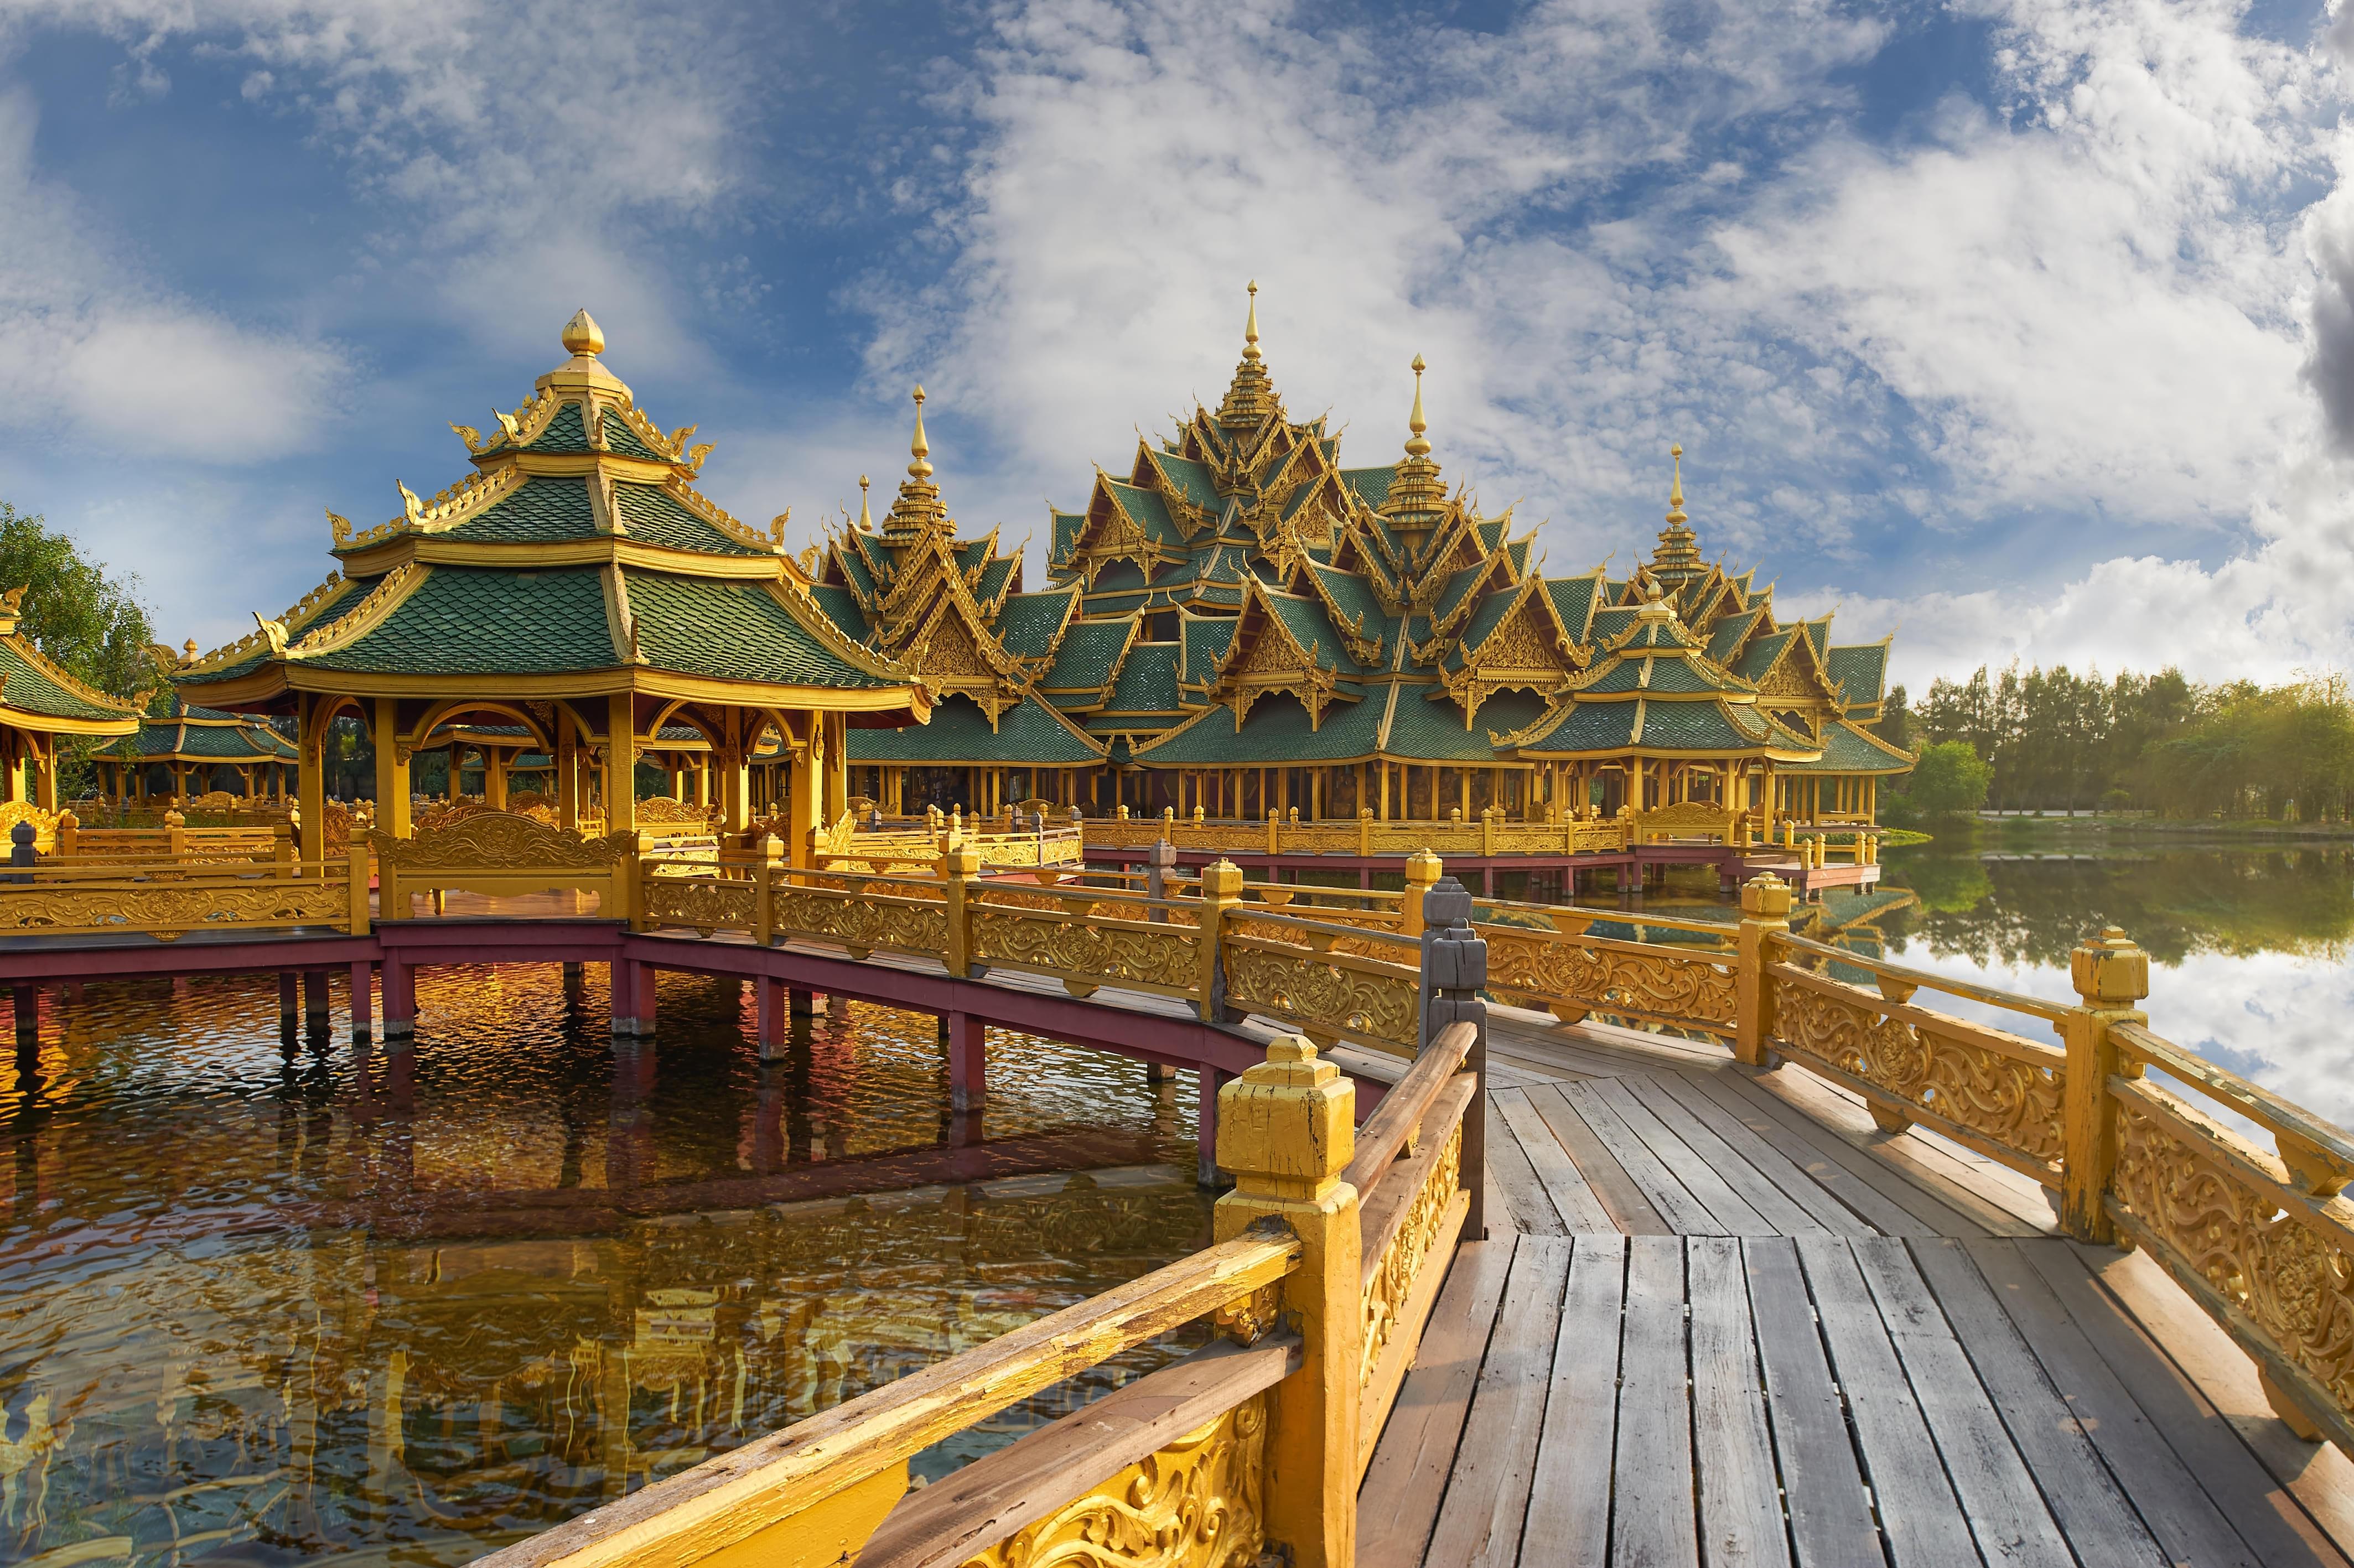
(1721, 1319)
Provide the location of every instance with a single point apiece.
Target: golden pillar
(391, 769)
(310, 773)
(620, 765)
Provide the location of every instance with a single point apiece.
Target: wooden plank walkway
(1722, 1319)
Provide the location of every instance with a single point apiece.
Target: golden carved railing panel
(1325, 996)
(172, 906)
(863, 922)
(1080, 950)
(1198, 1503)
(1996, 1092)
(708, 903)
(1402, 1261)
(1576, 975)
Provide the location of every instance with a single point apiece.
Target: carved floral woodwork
(1198, 1503)
(1331, 996)
(1113, 952)
(1688, 990)
(2288, 1271)
(167, 909)
(1401, 1263)
(2009, 1098)
(501, 841)
(706, 902)
(857, 921)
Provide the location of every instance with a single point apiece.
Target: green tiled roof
(1119, 577)
(1028, 623)
(1063, 532)
(1193, 481)
(1304, 619)
(1860, 672)
(1276, 730)
(1848, 749)
(1725, 639)
(653, 517)
(1484, 620)
(1587, 726)
(960, 732)
(346, 600)
(1206, 641)
(734, 631)
(468, 621)
(1151, 513)
(624, 441)
(542, 509)
(1573, 600)
(1148, 681)
(841, 606)
(1458, 586)
(1818, 633)
(994, 577)
(1692, 727)
(1372, 484)
(29, 689)
(1084, 660)
(1432, 731)
(564, 433)
(1763, 651)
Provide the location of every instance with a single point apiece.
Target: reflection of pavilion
(575, 587)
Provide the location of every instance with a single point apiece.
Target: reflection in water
(262, 1297)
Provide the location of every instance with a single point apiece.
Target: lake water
(263, 1298)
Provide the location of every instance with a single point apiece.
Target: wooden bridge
(1734, 1252)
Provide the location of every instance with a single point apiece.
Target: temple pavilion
(572, 595)
(1238, 623)
(42, 705)
(187, 751)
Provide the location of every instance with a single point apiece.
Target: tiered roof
(1236, 595)
(576, 558)
(190, 734)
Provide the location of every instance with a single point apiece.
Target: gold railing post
(1221, 888)
(769, 861)
(358, 857)
(628, 886)
(2110, 975)
(1274, 826)
(960, 862)
(1422, 869)
(1364, 832)
(68, 833)
(1764, 915)
(1286, 1130)
(1487, 831)
(175, 834)
(281, 845)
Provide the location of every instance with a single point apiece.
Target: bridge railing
(1487, 832)
(168, 899)
(1327, 1259)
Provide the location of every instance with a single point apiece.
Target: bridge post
(1209, 1081)
(772, 1029)
(960, 863)
(1287, 1128)
(399, 998)
(287, 982)
(1421, 869)
(968, 1062)
(2110, 975)
(1765, 916)
(1160, 858)
(633, 997)
(363, 987)
(1222, 889)
(1454, 973)
(314, 997)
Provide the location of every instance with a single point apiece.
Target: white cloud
(89, 345)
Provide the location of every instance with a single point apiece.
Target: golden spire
(922, 449)
(1250, 324)
(1251, 398)
(582, 335)
(1678, 556)
(866, 518)
(1418, 444)
(1676, 486)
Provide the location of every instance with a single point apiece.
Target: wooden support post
(620, 765)
(1221, 890)
(288, 981)
(28, 1005)
(1765, 916)
(362, 998)
(1287, 1128)
(968, 1062)
(1209, 1081)
(399, 998)
(1454, 973)
(800, 1004)
(391, 769)
(315, 996)
(2110, 975)
(773, 1028)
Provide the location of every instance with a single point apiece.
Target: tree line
(2054, 740)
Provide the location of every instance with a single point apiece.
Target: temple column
(802, 800)
(566, 781)
(735, 778)
(495, 777)
(391, 770)
(310, 774)
(620, 764)
(44, 784)
(837, 765)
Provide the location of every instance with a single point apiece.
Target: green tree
(1949, 780)
(91, 623)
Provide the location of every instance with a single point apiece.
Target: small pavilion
(192, 745)
(573, 595)
(42, 705)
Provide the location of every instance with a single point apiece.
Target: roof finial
(1250, 324)
(1418, 444)
(921, 448)
(582, 335)
(1676, 486)
(866, 518)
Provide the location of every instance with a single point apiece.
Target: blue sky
(2025, 328)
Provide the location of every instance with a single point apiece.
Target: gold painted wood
(1337, 995)
(725, 1502)
(1596, 974)
(171, 901)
